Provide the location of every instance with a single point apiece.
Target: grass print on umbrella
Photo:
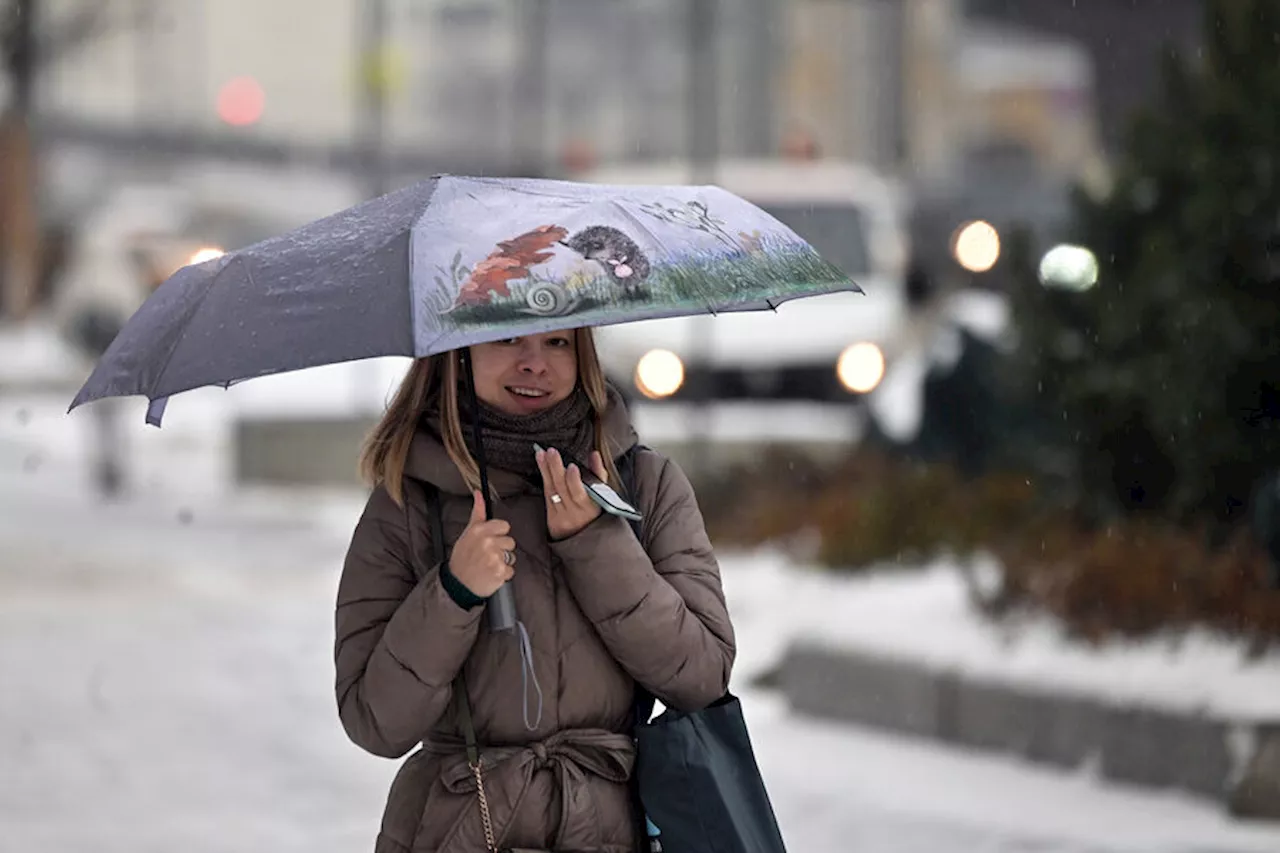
(706, 279)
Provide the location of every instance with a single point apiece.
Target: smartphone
(602, 493)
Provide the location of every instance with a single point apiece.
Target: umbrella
(450, 262)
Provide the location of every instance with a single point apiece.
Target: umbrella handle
(501, 609)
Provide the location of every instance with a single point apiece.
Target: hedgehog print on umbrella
(617, 253)
(623, 262)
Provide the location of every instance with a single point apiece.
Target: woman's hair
(436, 380)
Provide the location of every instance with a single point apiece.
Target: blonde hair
(436, 379)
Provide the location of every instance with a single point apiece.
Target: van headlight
(861, 367)
(976, 246)
(659, 373)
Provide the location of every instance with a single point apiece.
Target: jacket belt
(508, 773)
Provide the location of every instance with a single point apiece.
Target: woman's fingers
(597, 466)
(573, 482)
(503, 554)
(552, 494)
(566, 482)
(555, 467)
(541, 458)
(548, 481)
(569, 507)
(483, 558)
(496, 527)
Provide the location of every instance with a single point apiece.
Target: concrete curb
(1235, 763)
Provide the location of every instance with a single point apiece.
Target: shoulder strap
(642, 702)
(435, 521)
(626, 464)
(430, 496)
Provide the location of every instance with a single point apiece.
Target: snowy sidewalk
(925, 617)
(34, 357)
(167, 683)
(906, 651)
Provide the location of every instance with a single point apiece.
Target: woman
(603, 611)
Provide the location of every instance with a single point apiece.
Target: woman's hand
(569, 507)
(484, 557)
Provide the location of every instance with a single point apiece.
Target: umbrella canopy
(450, 262)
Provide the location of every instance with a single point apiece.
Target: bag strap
(626, 464)
(430, 497)
(643, 701)
(642, 705)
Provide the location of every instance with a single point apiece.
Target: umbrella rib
(439, 337)
(710, 303)
(186, 323)
(506, 184)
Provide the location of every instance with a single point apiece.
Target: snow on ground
(924, 616)
(185, 699)
(33, 353)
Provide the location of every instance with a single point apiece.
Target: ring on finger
(509, 557)
(555, 499)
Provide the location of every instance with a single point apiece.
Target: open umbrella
(450, 262)
(454, 261)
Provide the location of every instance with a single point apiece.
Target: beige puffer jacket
(603, 612)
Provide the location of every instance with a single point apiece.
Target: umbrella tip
(77, 401)
(155, 411)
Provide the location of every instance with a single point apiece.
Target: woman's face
(521, 376)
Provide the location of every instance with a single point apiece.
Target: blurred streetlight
(976, 246)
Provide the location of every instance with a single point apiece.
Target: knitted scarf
(508, 439)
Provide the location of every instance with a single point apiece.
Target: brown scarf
(508, 439)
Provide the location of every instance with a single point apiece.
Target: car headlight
(659, 373)
(861, 367)
(976, 246)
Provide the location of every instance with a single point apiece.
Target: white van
(823, 348)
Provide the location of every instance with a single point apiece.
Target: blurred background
(1012, 524)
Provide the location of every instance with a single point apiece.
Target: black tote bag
(699, 782)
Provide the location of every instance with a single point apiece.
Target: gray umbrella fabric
(450, 262)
